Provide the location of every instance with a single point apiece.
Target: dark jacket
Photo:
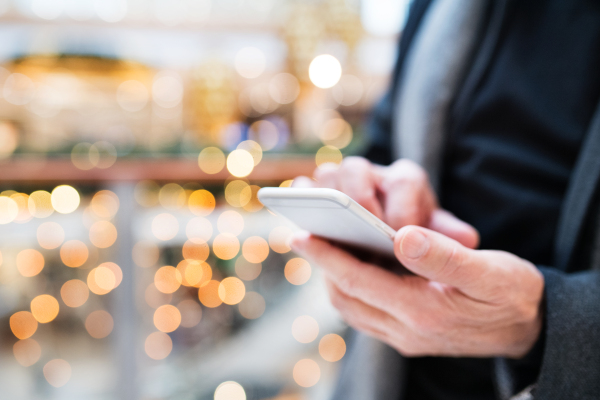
(571, 355)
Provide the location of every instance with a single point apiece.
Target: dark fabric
(578, 201)
(571, 367)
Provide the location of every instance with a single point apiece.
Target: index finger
(409, 200)
(371, 284)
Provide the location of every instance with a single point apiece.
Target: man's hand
(461, 302)
(399, 194)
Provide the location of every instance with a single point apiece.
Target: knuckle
(355, 163)
(347, 283)
(410, 169)
(337, 302)
(453, 260)
(324, 173)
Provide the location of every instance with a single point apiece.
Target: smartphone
(332, 215)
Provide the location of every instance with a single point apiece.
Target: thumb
(448, 224)
(441, 259)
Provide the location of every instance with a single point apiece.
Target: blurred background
(136, 261)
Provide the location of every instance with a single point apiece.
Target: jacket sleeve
(566, 359)
(571, 360)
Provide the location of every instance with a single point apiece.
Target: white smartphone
(330, 214)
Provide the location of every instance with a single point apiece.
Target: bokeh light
(195, 250)
(191, 313)
(44, 308)
(23, 324)
(105, 204)
(284, 88)
(211, 160)
(226, 246)
(297, 271)
(74, 293)
(209, 294)
(172, 196)
(145, 254)
(230, 222)
(201, 202)
(332, 347)
(230, 390)
(57, 372)
(158, 345)
(325, 71)
(251, 192)
(40, 204)
(27, 352)
(99, 324)
(255, 249)
(50, 235)
(305, 329)
(250, 62)
(167, 279)
(167, 318)
(107, 154)
(246, 270)
(106, 278)
(116, 270)
(146, 193)
(231, 290)
(252, 306)
(22, 201)
(253, 148)
(265, 133)
(336, 133)
(30, 262)
(65, 199)
(74, 253)
(233, 193)
(199, 230)
(328, 155)
(279, 239)
(103, 234)
(240, 163)
(85, 156)
(165, 226)
(9, 210)
(194, 273)
(306, 373)
(348, 91)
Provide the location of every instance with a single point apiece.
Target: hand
(400, 195)
(461, 302)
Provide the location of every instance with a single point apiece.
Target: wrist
(530, 331)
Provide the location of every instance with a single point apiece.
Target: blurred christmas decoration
(214, 98)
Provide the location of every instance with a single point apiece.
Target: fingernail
(414, 244)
